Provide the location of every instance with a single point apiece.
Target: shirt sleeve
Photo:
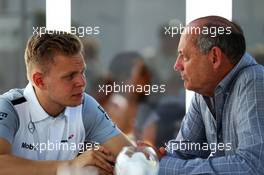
(9, 121)
(249, 154)
(98, 125)
(192, 131)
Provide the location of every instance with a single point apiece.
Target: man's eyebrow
(73, 72)
(69, 73)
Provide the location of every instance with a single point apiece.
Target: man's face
(195, 67)
(140, 74)
(65, 82)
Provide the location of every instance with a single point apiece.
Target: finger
(96, 158)
(103, 172)
(104, 150)
(110, 158)
(157, 151)
(102, 163)
(162, 152)
(141, 143)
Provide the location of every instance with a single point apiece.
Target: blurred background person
(162, 124)
(129, 68)
(161, 61)
(102, 97)
(94, 69)
(258, 53)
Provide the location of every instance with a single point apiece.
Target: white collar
(36, 111)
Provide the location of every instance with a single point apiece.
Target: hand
(91, 170)
(101, 158)
(103, 172)
(160, 152)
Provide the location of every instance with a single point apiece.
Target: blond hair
(41, 49)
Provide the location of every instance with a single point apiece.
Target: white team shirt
(35, 135)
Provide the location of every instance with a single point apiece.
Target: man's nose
(178, 64)
(81, 81)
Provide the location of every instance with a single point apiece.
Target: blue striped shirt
(229, 139)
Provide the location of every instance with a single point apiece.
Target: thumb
(162, 152)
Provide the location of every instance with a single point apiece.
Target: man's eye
(70, 77)
(185, 59)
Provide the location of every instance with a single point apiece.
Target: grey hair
(232, 44)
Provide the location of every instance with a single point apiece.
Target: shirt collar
(246, 61)
(36, 111)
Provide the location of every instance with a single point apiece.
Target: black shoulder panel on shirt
(18, 101)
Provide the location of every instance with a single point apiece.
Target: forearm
(12, 165)
(186, 150)
(234, 164)
(116, 143)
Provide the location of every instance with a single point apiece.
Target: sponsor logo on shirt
(69, 138)
(29, 146)
(3, 115)
(106, 115)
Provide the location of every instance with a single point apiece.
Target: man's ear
(37, 78)
(216, 57)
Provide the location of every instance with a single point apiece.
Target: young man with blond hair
(43, 125)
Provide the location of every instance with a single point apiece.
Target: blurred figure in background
(129, 68)
(95, 75)
(102, 98)
(258, 53)
(94, 70)
(163, 124)
(161, 61)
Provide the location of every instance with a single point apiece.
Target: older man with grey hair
(223, 130)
